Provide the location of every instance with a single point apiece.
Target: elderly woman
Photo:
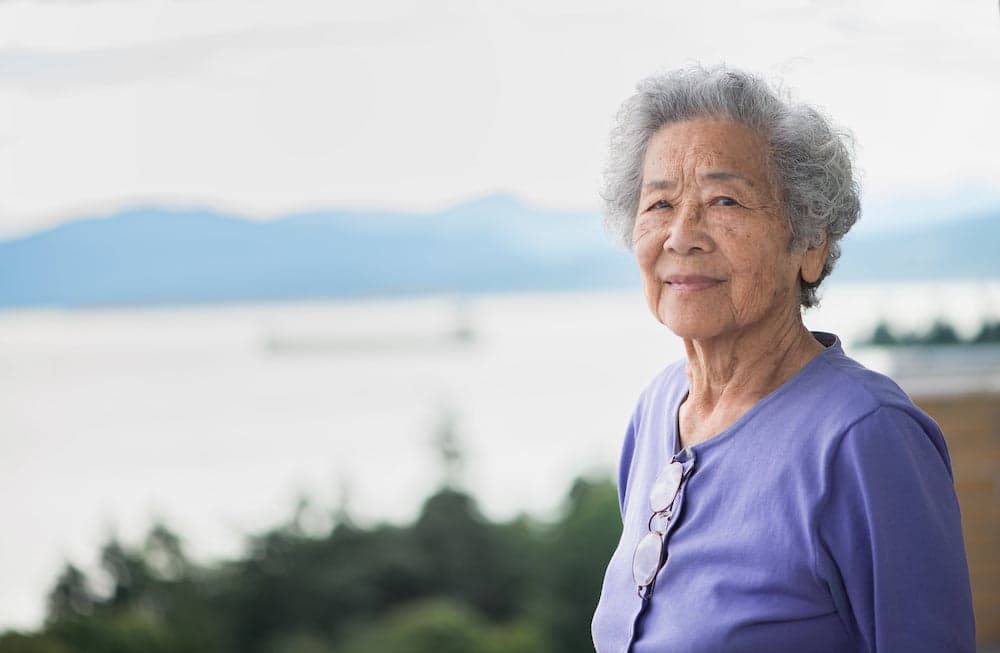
(775, 494)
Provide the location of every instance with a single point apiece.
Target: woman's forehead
(707, 152)
(705, 144)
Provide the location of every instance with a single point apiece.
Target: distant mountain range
(160, 256)
(961, 248)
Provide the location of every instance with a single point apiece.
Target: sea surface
(217, 419)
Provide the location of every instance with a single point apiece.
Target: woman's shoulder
(864, 406)
(840, 380)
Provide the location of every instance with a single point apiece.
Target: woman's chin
(691, 329)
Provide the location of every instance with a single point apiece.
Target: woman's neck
(727, 376)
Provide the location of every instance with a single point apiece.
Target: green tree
(432, 626)
(119, 631)
(71, 597)
(521, 636)
(128, 572)
(447, 444)
(580, 546)
(463, 557)
(25, 643)
(300, 642)
(163, 554)
(941, 333)
(882, 336)
(452, 578)
(989, 332)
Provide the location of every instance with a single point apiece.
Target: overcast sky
(269, 107)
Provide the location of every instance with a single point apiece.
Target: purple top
(823, 519)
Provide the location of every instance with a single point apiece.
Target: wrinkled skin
(713, 247)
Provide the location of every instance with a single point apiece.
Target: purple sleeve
(891, 537)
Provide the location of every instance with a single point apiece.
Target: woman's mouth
(690, 282)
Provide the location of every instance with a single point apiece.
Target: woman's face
(711, 237)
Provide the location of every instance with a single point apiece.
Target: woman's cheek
(640, 232)
(645, 252)
(648, 238)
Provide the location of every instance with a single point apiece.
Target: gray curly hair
(810, 160)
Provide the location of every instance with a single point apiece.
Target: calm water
(216, 419)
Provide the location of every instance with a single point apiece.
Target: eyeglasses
(648, 557)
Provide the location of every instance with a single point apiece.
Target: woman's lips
(690, 282)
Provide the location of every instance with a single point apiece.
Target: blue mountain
(159, 256)
(156, 256)
(964, 248)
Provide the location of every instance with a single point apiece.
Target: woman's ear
(813, 260)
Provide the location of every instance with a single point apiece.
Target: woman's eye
(726, 201)
(662, 204)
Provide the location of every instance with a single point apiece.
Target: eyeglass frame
(681, 469)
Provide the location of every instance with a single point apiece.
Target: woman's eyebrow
(711, 175)
(659, 184)
(725, 175)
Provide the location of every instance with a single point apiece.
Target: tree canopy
(450, 581)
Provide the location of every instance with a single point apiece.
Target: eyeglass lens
(646, 559)
(665, 487)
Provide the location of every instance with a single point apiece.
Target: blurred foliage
(939, 333)
(452, 581)
(988, 332)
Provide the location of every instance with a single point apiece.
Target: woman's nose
(687, 232)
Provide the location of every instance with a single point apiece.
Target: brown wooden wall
(971, 425)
